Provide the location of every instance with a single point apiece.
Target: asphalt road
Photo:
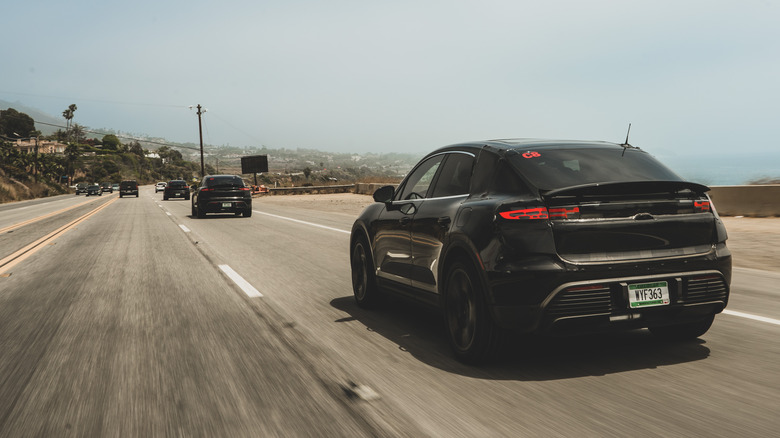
(144, 321)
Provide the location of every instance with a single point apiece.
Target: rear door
(435, 217)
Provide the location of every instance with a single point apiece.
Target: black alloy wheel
(363, 281)
(473, 335)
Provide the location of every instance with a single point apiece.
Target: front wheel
(248, 212)
(363, 279)
(474, 337)
(683, 332)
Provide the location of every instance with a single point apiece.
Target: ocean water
(724, 169)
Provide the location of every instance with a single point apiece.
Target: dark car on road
(176, 189)
(81, 188)
(554, 237)
(128, 188)
(106, 187)
(94, 189)
(222, 194)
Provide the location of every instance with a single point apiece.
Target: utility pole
(200, 131)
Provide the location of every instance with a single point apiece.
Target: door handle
(444, 221)
(405, 220)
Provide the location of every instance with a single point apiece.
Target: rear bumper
(229, 205)
(552, 299)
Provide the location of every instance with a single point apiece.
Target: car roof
(529, 143)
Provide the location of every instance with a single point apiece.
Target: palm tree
(68, 114)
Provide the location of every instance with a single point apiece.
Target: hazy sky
(406, 76)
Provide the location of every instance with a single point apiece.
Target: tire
(364, 284)
(165, 198)
(120, 195)
(136, 195)
(201, 213)
(248, 212)
(194, 211)
(683, 332)
(473, 335)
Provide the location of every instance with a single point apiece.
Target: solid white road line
(240, 282)
(183, 227)
(303, 222)
(753, 317)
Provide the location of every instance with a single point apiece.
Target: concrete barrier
(757, 200)
(753, 200)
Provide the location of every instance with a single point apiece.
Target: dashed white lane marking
(303, 222)
(183, 227)
(240, 282)
(168, 213)
(753, 317)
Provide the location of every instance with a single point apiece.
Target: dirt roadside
(754, 242)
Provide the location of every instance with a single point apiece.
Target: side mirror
(384, 194)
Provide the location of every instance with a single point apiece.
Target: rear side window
(455, 176)
(550, 169)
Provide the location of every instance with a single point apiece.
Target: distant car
(128, 188)
(555, 237)
(94, 189)
(176, 189)
(114, 187)
(81, 188)
(106, 187)
(160, 186)
(222, 194)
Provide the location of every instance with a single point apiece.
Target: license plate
(648, 294)
(226, 205)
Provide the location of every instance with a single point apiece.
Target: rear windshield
(559, 168)
(177, 184)
(224, 181)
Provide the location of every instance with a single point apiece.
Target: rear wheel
(201, 212)
(363, 280)
(194, 211)
(683, 332)
(165, 198)
(248, 212)
(473, 335)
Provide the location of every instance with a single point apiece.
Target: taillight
(525, 214)
(245, 188)
(206, 190)
(701, 206)
(564, 213)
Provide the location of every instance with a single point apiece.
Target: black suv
(106, 187)
(534, 236)
(128, 188)
(222, 194)
(176, 189)
(81, 188)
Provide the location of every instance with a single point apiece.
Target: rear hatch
(224, 188)
(631, 221)
(611, 203)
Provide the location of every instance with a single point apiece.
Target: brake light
(701, 206)
(245, 188)
(206, 190)
(525, 214)
(563, 212)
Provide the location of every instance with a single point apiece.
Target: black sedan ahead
(532, 236)
(94, 189)
(222, 194)
(176, 189)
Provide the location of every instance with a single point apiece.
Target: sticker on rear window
(530, 154)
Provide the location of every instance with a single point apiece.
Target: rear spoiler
(619, 188)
